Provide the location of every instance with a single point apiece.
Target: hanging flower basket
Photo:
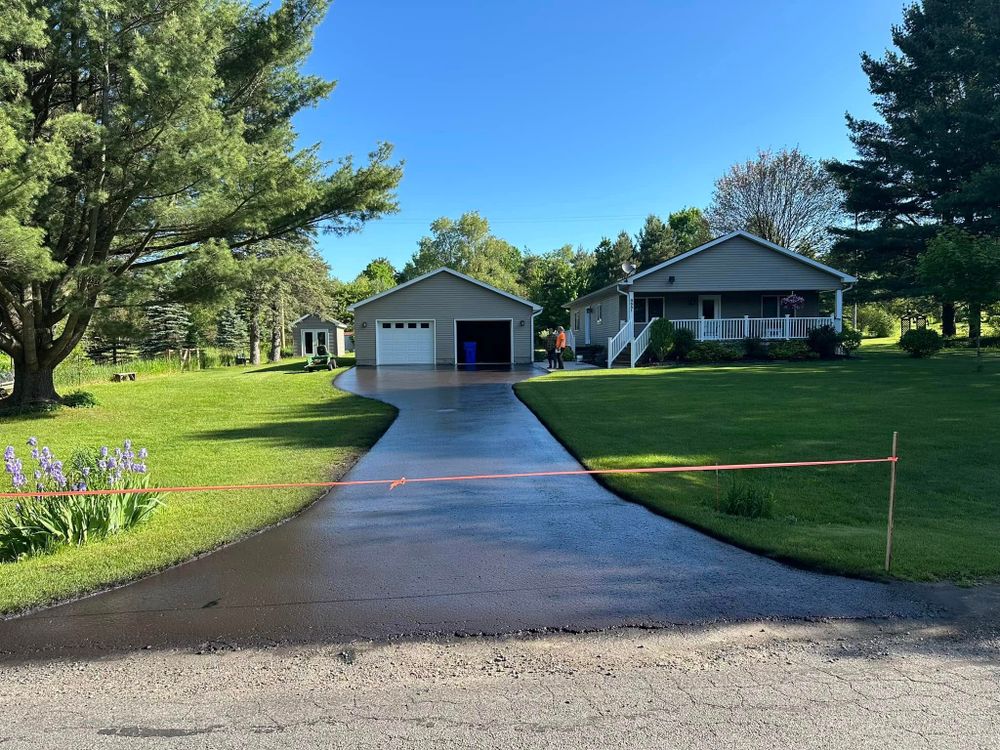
(793, 302)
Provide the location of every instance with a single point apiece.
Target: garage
(444, 318)
(484, 342)
(404, 342)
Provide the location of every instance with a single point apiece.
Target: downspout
(531, 348)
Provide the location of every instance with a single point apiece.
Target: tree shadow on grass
(354, 423)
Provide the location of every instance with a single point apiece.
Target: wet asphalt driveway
(487, 556)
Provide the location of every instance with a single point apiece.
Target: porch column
(838, 310)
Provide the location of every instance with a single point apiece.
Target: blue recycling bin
(470, 352)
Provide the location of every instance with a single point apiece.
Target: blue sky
(563, 121)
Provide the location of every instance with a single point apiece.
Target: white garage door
(404, 342)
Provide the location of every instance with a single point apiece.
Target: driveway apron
(457, 557)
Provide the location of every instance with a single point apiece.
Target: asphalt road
(843, 685)
(479, 557)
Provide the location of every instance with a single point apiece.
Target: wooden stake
(892, 503)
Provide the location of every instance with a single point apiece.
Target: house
(447, 318)
(730, 288)
(312, 331)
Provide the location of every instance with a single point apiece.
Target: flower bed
(37, 525)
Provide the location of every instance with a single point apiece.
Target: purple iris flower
(32, 441)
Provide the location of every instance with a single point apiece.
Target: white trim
(454, 273)
(378, 327)
(753, 238)
(314, 331)
(513, 356)
(334, 322)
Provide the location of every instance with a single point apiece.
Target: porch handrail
(733, 329)
(641, 342)
(618, 342)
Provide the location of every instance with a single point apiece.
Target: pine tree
(934, 160)
(608, 259)
(231, 330)
(169, 328)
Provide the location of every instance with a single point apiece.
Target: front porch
(635, 336)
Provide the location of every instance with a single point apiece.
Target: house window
(387, 325)
(770, 306)
(600, 313)
(411, 325)
(576, 321)
(647, 308)
(425, 325)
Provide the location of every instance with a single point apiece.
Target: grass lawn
(945, 409)
(219, 426)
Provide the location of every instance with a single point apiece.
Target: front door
(710, 310)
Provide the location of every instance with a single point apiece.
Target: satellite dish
(628, 268)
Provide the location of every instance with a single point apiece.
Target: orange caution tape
(394, 483)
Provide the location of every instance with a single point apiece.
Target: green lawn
(946, 411)
(227, 425)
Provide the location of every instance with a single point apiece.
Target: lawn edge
(333, 476)
(628, 497)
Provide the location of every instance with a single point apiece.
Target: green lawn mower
(321, 360)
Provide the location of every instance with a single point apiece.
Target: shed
(312, 331)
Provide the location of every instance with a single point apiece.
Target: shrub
(711, 351)
(876, 321)
(37, 525)
(824, 341)
(79, 400)
(684, 342)
(568, 354)
(920, 342)
(850, 340)
(748, 499)
(754, 347)
(208, 358)
(661, 338)
(791, 350)
(227, 358)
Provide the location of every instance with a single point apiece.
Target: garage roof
(443, 269)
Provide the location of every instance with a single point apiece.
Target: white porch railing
(641, 342)
(618, 342)
(733, 329)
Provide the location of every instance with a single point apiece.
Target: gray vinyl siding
(334, 334)
(443, 298)
(734, 304)
(738, 264)
(612, 308)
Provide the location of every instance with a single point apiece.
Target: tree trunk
(33, 386)
(275, 354)
(948, 319)
(975, 323)
(255, 339)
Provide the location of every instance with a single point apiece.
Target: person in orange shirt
(560, 345)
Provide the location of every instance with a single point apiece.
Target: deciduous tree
(467, 246)
(961, 267)
(783, 196)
